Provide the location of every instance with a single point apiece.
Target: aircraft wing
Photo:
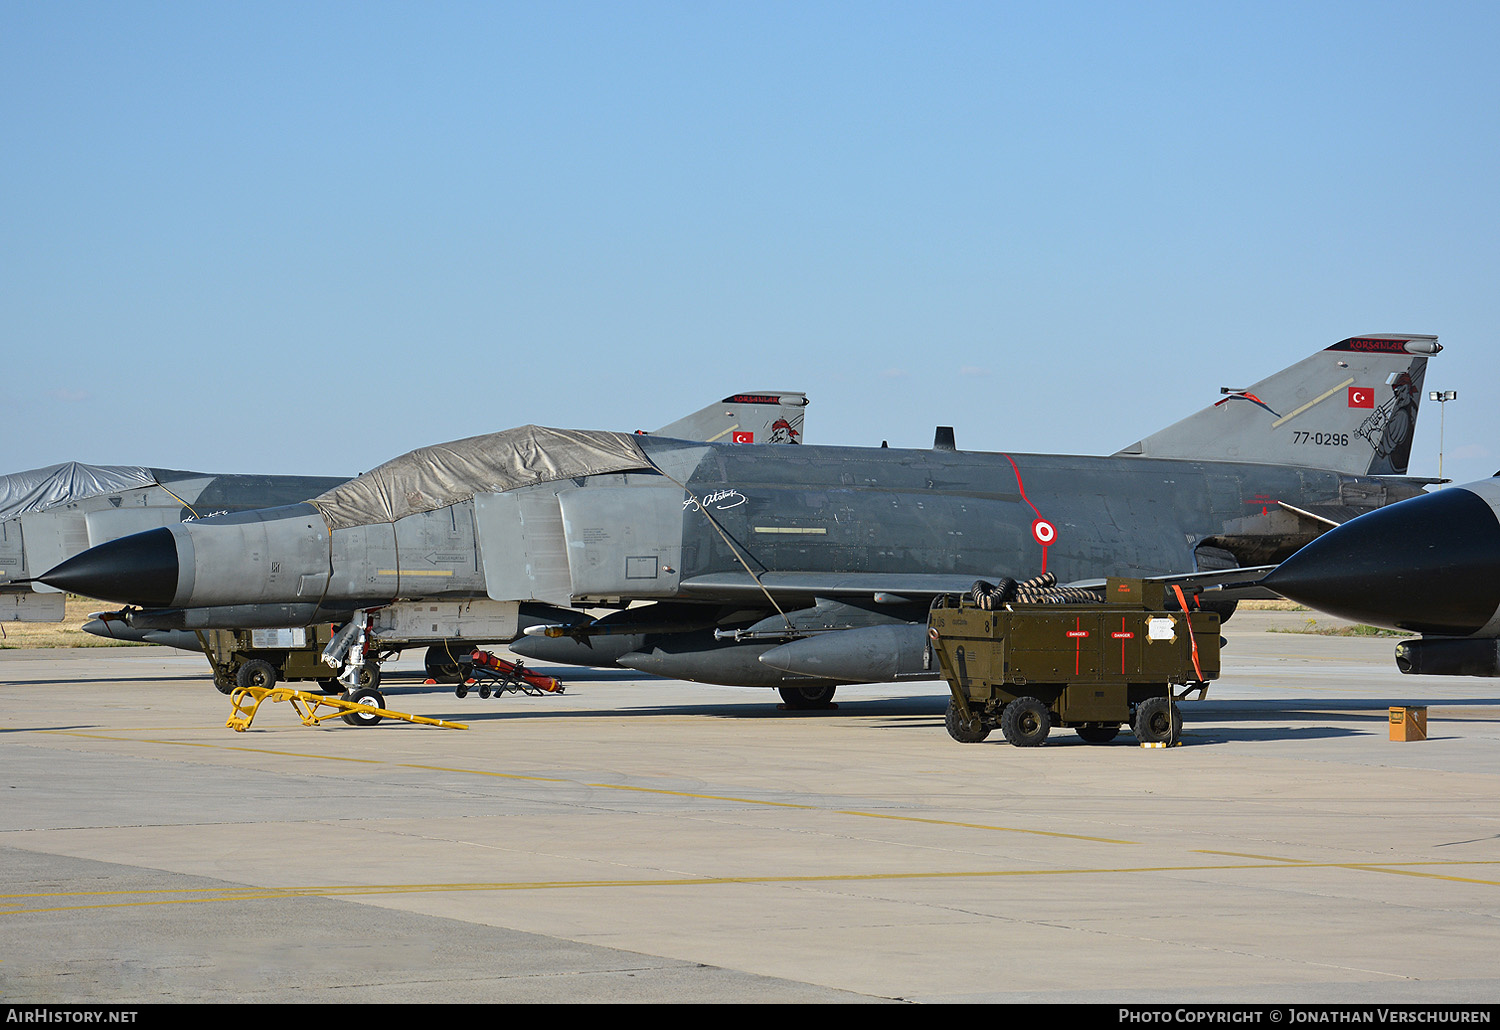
(741, 586)
(898, 587)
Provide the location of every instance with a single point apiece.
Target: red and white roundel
(1043, 531)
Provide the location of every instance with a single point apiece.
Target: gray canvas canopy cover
(39, 489)
(434, 477)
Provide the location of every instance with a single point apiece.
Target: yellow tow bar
(247, 701)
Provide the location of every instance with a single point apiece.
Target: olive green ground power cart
(1093, 665)
(265, 657)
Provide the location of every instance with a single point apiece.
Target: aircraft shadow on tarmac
(1206, 722)
(130, 681)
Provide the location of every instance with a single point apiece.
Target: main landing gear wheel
(804, 698)
(1157, 721)
(1025, 722)
(256, 673)
(1098, 733)
(364, 696)
(965, 731)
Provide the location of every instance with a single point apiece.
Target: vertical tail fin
(1351, 408)
(744, 418)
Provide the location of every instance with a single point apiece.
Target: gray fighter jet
(50, 514)
(742, 564)
(1429, 565)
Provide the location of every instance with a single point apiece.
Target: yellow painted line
(480, 772)
(798, 530)
(718, 436)
(413, 572)
(1427, 876)
(1316, 400)
(730, 799)
(147, 898)
(1258, 858)
(221, 747)
(861, 814)
(1389, 868)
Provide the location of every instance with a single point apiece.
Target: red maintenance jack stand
(495, 675)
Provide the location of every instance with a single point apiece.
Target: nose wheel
(363, 696)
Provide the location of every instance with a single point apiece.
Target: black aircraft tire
(257, 672)
(364, 696)
(444, 666)
(369, 676)
(803, 698)
(1025, 722)
(1098, 733)
(963, 730)
(331, 685)
(1157, 721)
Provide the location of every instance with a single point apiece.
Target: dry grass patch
(67, 633)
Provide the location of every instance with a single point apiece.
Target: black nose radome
(139, 569)
(1428, 565)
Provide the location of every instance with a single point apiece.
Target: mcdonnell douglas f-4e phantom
(50, 514)
(800, 570)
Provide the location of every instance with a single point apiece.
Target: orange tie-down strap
(1192, 640)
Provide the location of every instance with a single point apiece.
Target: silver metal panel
(12, 553)
(623, 541)
(281, 636)
(521, 546)
(436, 552)
(359, 556)
(247, 560)
(112, 523)
(478, 621)
(24, 606)
(50, 539)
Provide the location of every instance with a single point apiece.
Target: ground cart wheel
(807, 697)
(965, 731)
(445, 667)
(1098, 733)
(256, 673)
(1157, 721)
(1025, 722)
(364, 696)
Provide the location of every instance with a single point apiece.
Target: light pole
(1442, 397)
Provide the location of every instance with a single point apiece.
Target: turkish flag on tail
(1361, 397)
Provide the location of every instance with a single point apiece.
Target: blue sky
(306, 237)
